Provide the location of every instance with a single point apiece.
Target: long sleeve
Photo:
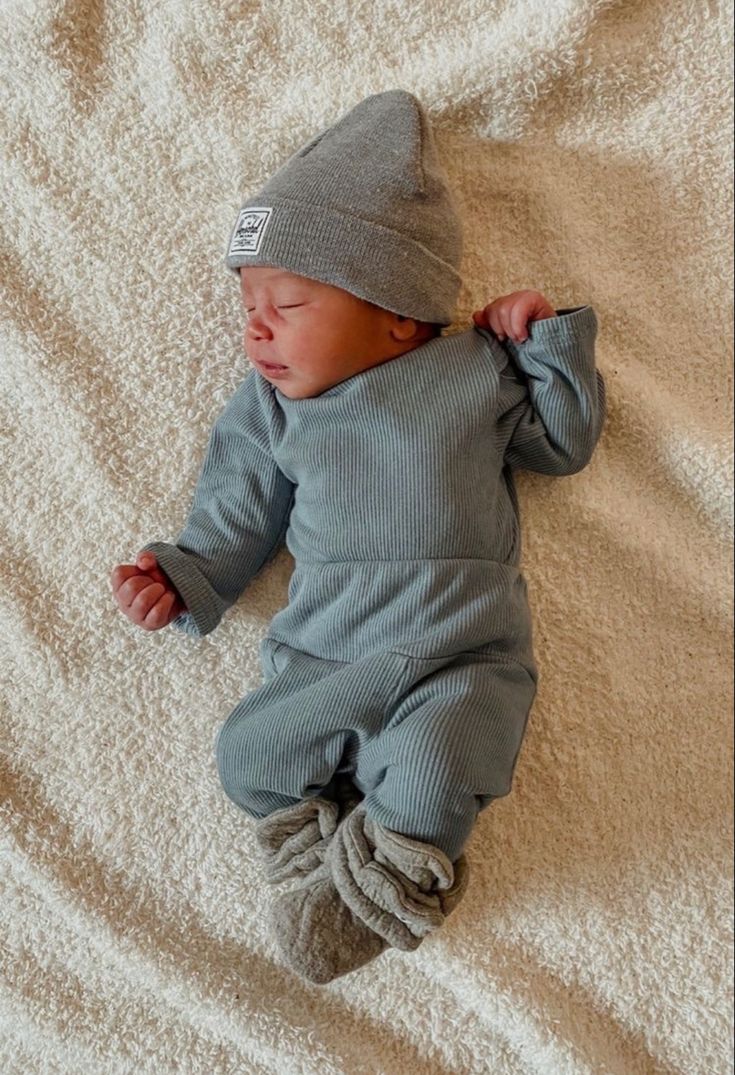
(238, 518)
(552, 403)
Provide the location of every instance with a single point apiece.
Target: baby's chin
(291, 388)
(293, 392)
(301, 384)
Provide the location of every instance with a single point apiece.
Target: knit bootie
(316, 933)
(293, 841)
(402, 888)
(375, 889)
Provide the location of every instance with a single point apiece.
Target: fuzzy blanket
(590, 146)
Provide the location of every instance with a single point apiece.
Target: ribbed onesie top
(394, 493)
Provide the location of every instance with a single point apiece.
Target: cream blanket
(589, 143)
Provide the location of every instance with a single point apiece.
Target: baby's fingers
(497, 321)
(160, 614)
(518, 321)
(121, 574)
(148, 563)
(145, 601)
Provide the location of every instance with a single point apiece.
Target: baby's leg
(291, 738)
(449, 747)
(285, 752)
(395, 869)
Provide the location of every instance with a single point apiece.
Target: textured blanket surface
(589, 144)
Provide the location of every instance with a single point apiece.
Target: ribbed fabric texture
(429, 742)
(394, 492)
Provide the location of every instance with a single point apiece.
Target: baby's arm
(552, 396)
(238, 518)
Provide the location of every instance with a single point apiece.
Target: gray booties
(293, 841)
(372, 890)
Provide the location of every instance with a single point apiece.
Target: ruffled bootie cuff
(293, 841)
(401, 888)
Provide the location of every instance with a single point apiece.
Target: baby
(399, 678)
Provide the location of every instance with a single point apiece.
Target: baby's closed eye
(289, 306)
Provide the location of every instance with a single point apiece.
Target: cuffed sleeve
(239, 516)
(552, 396)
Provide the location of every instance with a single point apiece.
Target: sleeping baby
(398, 680)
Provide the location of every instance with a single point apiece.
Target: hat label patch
(249, 231)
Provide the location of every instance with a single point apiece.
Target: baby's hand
(145, 594)
(509, 315)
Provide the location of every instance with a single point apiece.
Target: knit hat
(365, 206)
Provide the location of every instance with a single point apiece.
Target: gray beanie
(365, 206)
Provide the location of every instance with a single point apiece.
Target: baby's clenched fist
(510, 315)
(145, 594)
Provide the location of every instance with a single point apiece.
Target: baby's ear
(405, 328)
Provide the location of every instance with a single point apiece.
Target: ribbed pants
(428, 742)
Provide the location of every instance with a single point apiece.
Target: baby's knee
(239, 766)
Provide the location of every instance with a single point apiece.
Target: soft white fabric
(589, 144)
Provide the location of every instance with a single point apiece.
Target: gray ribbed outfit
(404, 656)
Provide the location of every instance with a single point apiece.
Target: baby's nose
(256, 328)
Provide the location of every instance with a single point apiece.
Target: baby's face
(320, 334)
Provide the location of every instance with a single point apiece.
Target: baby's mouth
(270, 367)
